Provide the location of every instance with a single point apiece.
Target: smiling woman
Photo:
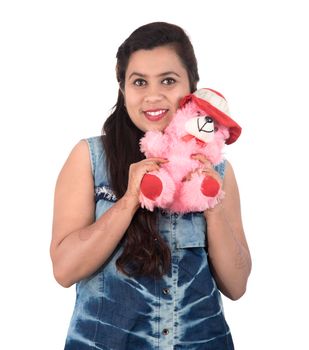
(145, 280)
(155, 82)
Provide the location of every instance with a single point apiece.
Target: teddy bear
(201, 125)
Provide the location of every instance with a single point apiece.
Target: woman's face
(155, 81)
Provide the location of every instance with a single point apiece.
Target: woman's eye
(168, 81)
(139, 82)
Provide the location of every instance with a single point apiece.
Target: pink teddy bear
(201, 125)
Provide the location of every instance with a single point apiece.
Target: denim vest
(182, 310)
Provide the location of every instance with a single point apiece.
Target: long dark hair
(145, 253)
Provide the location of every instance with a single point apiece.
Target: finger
(201, 158)
(209, 171)
(157, 160)
(152, 164)
(151, 167)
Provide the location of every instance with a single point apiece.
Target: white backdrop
(57, 86)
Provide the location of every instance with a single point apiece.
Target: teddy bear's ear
(202, 128)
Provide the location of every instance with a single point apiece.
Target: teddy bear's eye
(198, 113)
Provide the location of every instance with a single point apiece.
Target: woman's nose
(153, 94)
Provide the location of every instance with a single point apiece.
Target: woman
(141, 284)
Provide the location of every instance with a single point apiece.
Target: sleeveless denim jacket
(182, 310)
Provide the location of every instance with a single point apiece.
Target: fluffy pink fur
(178, 195)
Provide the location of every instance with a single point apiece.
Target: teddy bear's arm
(154, 144)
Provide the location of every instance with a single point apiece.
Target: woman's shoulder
(85, 154)
(95, 150)
(94, 143)
(94, 140)
(76, 167)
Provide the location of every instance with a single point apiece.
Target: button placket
(166, 312)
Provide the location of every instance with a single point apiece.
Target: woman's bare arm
(80, 245)
(227, 246)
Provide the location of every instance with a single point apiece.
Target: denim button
(166, 291)
(165, 331)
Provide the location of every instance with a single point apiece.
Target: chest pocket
(190, 231)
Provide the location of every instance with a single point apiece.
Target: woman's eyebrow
(168, 73)
(159, 75)
(137, 74)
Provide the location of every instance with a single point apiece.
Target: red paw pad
(151, 186)
(210, 187)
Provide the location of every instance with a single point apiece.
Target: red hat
(214, 104)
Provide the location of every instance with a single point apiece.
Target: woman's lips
(155, 114)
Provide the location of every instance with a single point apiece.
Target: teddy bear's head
(203, 118)
(203, 114)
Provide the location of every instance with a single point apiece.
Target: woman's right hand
(136, 173)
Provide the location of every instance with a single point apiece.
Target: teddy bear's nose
(201, 127)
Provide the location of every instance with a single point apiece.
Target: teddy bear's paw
(210, 187)
(157, 189)
(146, 203)
(151, 186)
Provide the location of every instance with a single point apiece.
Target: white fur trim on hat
(214, 99)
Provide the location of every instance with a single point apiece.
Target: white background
(57, 85)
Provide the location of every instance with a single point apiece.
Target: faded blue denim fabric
(182, 310)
